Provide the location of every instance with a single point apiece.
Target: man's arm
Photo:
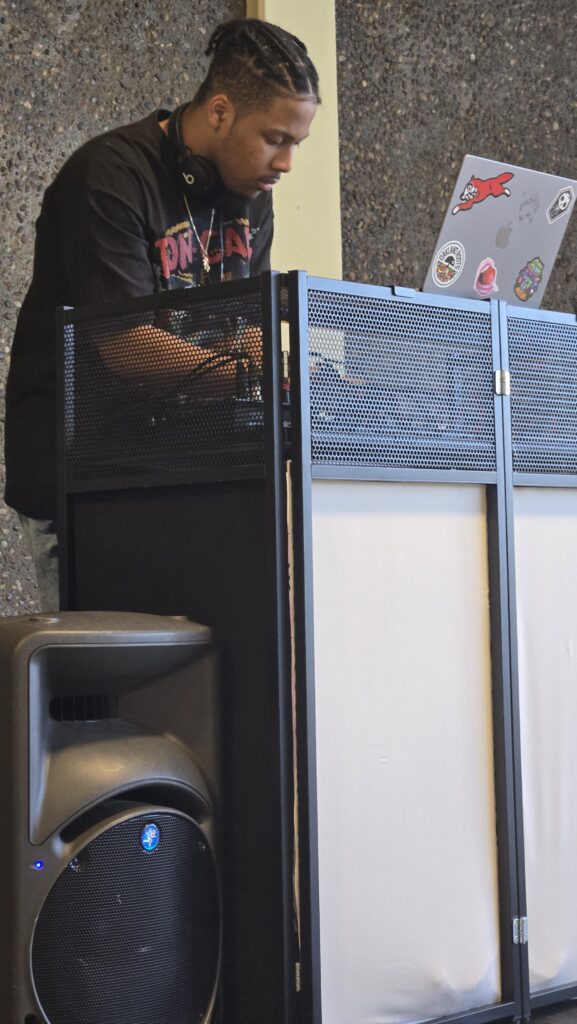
(147, 353)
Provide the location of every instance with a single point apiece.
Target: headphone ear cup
(199, 177)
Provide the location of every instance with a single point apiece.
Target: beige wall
(307, 202)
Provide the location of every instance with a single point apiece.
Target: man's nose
(283, 160)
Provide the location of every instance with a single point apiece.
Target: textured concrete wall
(69, 70)
(420, 85)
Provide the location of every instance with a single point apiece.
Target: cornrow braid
(254, 61)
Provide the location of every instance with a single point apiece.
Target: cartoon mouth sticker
(528, 279)
(448, 264)
(486, 278)
(477, 189)
(561, 204)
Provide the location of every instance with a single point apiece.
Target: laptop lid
(501, 233)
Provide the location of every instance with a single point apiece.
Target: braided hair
(253, 62)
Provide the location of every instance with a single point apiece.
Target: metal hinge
(502, 382)
(520, 931)
(297, 977)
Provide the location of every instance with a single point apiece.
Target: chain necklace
(203, 251)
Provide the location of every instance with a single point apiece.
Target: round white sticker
(448, 264)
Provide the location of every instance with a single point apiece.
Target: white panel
(407, 845)
(546, 571)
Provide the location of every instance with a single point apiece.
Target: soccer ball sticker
(561, 204)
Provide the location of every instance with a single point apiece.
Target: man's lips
(265, 184)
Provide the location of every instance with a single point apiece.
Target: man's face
(253, 150)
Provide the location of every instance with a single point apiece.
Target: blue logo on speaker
(150, 837)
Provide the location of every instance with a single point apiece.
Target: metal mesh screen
(130, 935)
(399, 384)
(165, 389)
(543, 364)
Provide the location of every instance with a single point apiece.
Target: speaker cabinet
(110, 908)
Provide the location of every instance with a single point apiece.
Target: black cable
(164, 396)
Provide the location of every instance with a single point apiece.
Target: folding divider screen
(546, 557)
(399, 478)
(411, 475)
(543, 362)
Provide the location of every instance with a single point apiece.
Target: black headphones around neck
(199, 178)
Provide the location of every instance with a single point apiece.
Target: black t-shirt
(113, 225)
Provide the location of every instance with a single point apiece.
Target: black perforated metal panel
(400, 384)
(166, 389)
(543, 364)
(130, 936)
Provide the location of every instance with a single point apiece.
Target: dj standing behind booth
(172, 201)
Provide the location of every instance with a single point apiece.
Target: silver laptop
(501, 234)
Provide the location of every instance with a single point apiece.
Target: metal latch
(520, 931)
(502, 382)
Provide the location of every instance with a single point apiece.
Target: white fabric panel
(546, 571)
(406, 806)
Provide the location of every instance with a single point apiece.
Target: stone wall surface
(420, 85)
(70, 69)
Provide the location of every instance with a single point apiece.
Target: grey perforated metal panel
(402, 384)
(166, 388)
(543, 364)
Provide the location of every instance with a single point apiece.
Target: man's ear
(220, 111)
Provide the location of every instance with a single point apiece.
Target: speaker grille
(131, 936)
(84, 707)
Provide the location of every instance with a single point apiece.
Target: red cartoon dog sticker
(477, 189)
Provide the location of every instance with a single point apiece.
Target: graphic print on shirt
(179, 256)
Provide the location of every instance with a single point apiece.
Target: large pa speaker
(109, 888)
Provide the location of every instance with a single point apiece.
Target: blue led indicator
(150, 837)
(38, 865)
